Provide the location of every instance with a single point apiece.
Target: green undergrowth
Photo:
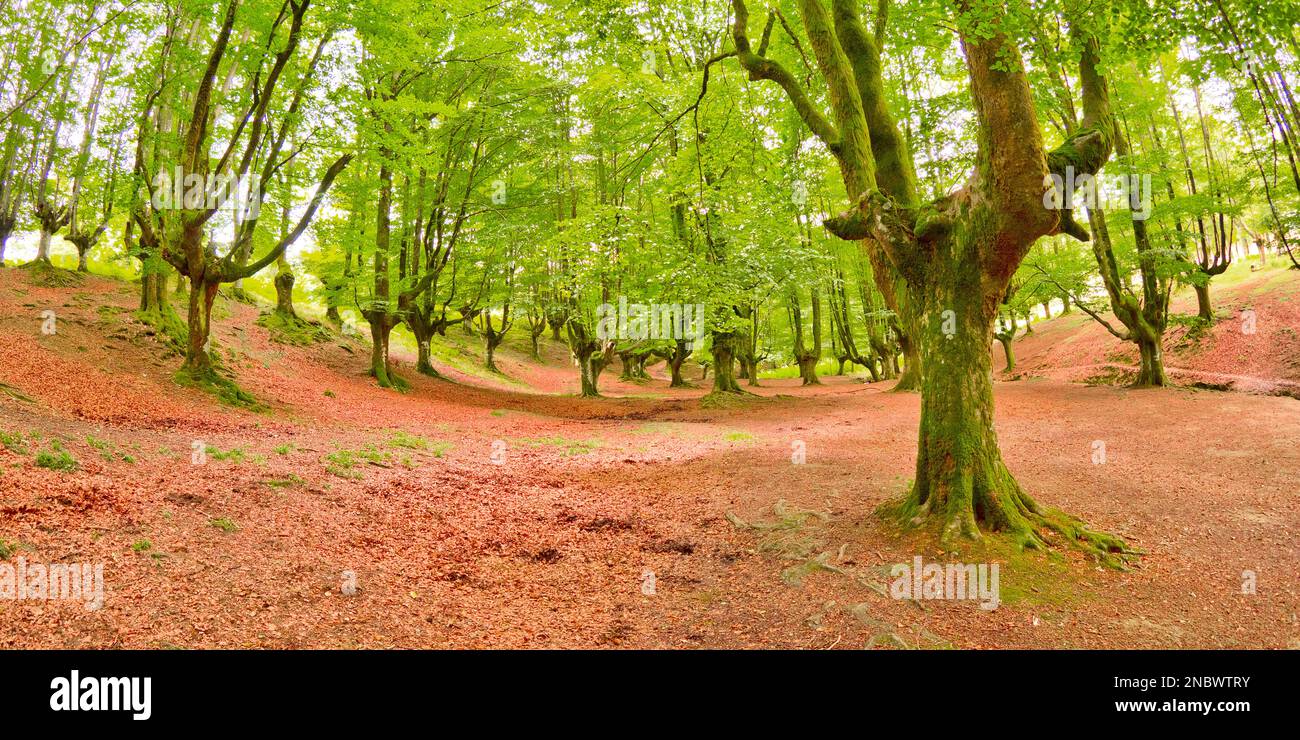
(408, 441)
(1046, 580)
(57, 458)
(107, 450)
(344, 463)
(570, 447)
(15, 442)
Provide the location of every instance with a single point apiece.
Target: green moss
(224, 524)
(51, 276)
(342, 462)
(726, 400)
(287, 329)
(225, 389)
(168, 326)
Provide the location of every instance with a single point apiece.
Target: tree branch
(761, 68)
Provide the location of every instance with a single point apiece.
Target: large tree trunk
(909, 378)
(202, 294)
(492, 339)
(589, 373)
(423, 330)
(724, 372)
(535, 332)
(381, 327)
(1010, 353)
(1151, 372)
(43, 247)
(284, 281)
(962, 485)
(153, 291)
(1006, 338)
(1203, 308)
(675, 362)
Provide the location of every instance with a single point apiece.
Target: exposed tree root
(219, 385)
(49, 276)
(287, 328)
(1006, 511)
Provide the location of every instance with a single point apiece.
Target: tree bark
(1203, 307)
(724, 374)
(197, 360)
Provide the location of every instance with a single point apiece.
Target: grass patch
(14, 442)
(57, 458)
(342, 462)
(404, 440)
(400, 438)
(107, 450)
(235, 454)
(224, 524)
(726, 400)
(570, 447)
(141, 546)
(739, 437)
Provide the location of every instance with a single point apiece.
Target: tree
(178, 230)
(955, 255)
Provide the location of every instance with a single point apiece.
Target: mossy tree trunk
(1204, 309)
(724, 372)
(1006, 335)
(676, 358)
(806, 356)
(199, 319)
(956, 255)
(586, 350)
(6, 229)
(284, 281)
(381, 328)
(423, 330)
(1151, 369)
(494, 336)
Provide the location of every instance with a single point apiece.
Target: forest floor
(555, 545)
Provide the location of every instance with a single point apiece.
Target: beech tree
(255, 144)
(955, 255)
